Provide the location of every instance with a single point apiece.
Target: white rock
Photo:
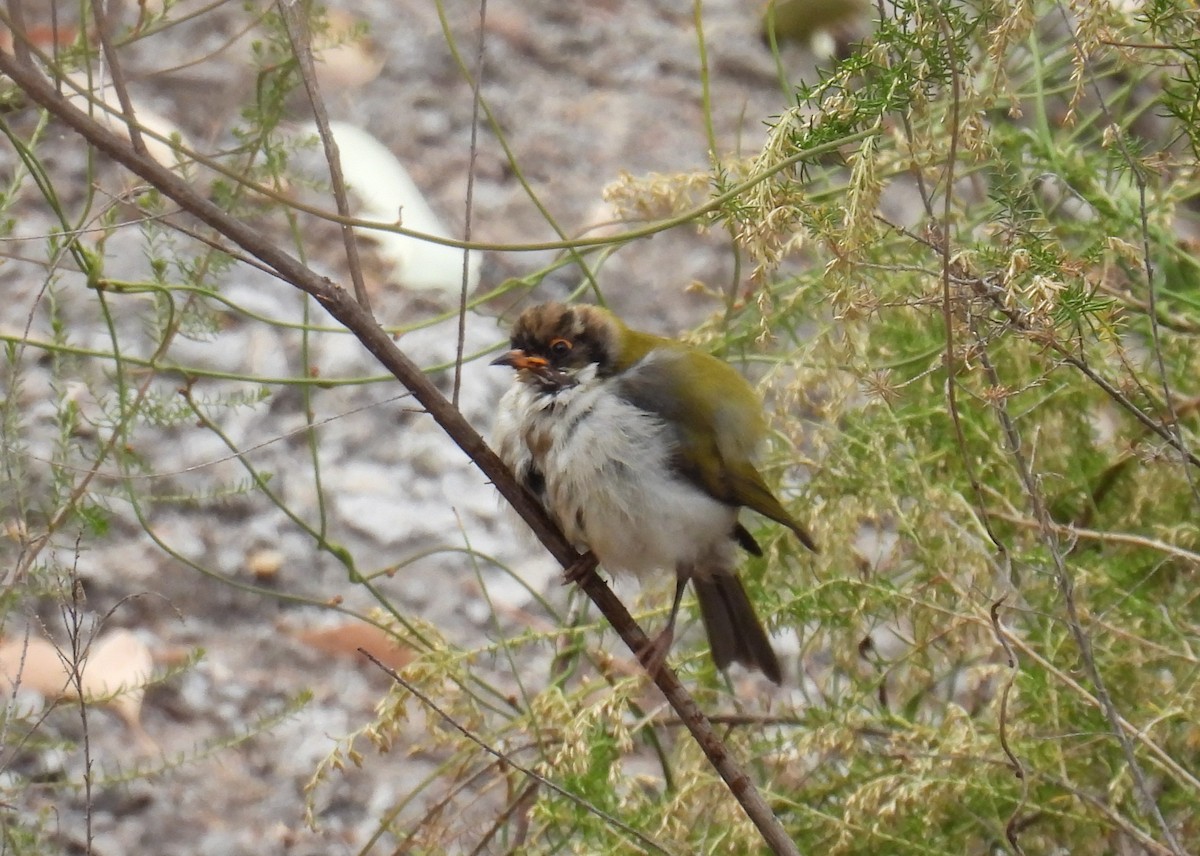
(389, 195)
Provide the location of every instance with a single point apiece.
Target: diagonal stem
(343, 307)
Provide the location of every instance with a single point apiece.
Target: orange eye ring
(560, 347)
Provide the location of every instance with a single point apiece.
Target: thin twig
(578, 243)
(520, 805)
(496, 753)
(1181, 774)
(468, 204)
(101, 11)
(1103, 807)
(300, 36)
(32, 548)
(1139, 179)
(462, 784)
(72, 615)
(1107, 537)
(16, 24)
(343, 307)
(1021, 321)
(943, 237)
(1066, 587)
(1013, 828)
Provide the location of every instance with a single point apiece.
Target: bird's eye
(559, 347)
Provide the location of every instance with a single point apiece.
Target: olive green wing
(717, 422)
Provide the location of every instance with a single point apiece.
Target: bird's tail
(735, 634)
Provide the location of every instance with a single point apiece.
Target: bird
(641, 449)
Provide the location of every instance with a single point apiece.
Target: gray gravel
(583, 91)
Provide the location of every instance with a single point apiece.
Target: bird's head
(553, 344)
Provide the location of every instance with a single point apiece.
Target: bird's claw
(654, 655)
(580, 568)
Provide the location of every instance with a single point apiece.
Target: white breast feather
(607, 483)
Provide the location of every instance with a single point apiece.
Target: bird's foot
(654, 655)
(580, 568)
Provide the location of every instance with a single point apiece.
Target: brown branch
(299, 33)
(1181, 775)
(1016, 820)
(355, 318)
(507, 759)
(985, 287)
(1138, 173)
(1108, 537)
(519, 808)
(1066, 587)
(16, 25)
(103, 14)
(942, 240)
(469, 201)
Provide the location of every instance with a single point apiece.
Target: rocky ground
(583, 92)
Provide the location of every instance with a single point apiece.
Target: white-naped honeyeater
(641, 448)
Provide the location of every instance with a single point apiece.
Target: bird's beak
(518, 359)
